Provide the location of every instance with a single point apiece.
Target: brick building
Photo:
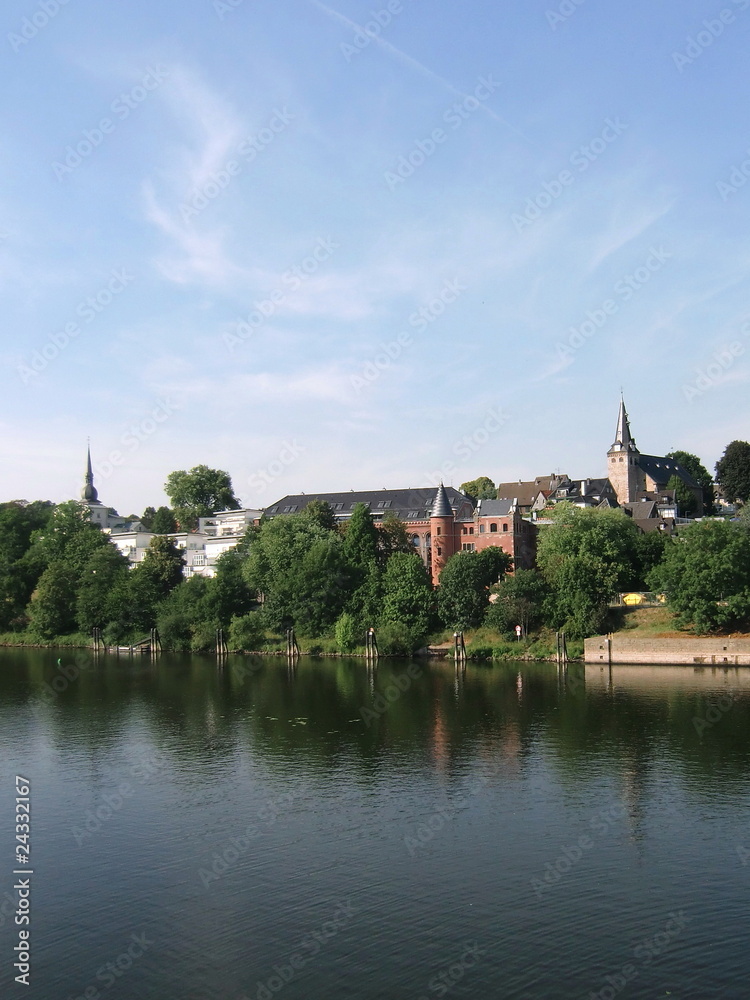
(439, 522)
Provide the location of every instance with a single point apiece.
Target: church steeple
(624, 440)
(89, 493)
(622, 460)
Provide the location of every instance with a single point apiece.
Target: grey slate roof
(661, 470)
(495, 508)
(410, 505)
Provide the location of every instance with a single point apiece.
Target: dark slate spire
(624, 440)
(88, 492)
(442, 506)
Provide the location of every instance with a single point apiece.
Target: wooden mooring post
(222, 649)
(371, 646)
(292, 647)
(561, 655)
(459, 649)
(97, 641)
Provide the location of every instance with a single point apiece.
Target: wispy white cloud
(414, 64)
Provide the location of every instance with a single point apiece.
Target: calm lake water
(206, 833)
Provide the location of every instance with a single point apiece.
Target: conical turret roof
(442, 506)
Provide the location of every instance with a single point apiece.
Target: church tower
(622, 460)
(90, 497)
(442, 530)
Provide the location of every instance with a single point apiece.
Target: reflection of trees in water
(201, 712)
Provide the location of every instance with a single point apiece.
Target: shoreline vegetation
(62, 578)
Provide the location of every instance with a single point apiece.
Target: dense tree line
(60, 575)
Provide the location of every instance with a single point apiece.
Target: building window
(481, 529)
(439, 531)
(471, 531)
(493, 527)
(440, 551)
(468, 546)
(505, 527)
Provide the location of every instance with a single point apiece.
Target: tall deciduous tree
(687, 502)
(586, 556)
(407, 594)
(480, 489)
(693, 465)
(105, 569)
(463, 594)
(163, 522)
(198, 493)
(706, 575)
(733, 471)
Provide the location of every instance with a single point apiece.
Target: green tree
(198, 493)
(650, 548)
(407, 595)
(320, 513)
(278, 568)
(147, 517)
(480, 489)
(322, 587)
(106, 568)
(187, 618)
(346, 633)
(52, 607)
(163, 522)
(706, 575)
(361, 539)
(687, 502)
(231, 594)
(463, 594)
(520, 600)
(393, 537)
(162, 565)
(68, 536)
(733, 471)
(19, 569)
(586, 556)
(693, 465)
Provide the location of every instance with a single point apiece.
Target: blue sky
(249, 235)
